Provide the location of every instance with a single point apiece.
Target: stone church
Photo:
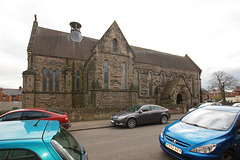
(68, 70)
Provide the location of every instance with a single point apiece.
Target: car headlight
(162, 132)
(205, 148)
(122, 117)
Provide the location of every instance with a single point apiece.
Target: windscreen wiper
(75, 150)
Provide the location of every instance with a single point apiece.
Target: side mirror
(140, 111)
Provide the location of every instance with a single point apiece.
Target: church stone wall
(92, 97)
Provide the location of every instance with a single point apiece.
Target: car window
(18, 154)
(11, 116)
(156, 108)
(32, 115)
(133, 108)
(145, 108)
(66, 144)
(53, 111)
(46, 115)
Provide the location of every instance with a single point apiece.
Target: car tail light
(168, 110)
(66, 118)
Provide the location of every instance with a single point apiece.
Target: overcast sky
(207, 30)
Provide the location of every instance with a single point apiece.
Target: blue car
(209, 133)
(36, 140)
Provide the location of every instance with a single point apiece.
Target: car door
(155, 113)
(237, 137)
(11, 116)
(144, 115)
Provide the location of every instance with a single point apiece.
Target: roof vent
(75, 34)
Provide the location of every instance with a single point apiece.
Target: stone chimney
(75, 34)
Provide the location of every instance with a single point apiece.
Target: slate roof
(12, 92)
(163, 59)
(58, 44)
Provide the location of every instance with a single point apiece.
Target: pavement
(97, 124)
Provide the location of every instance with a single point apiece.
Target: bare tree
(222, 81)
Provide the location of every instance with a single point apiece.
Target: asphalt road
(118, 143)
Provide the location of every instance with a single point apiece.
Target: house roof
(54, 43)
(12, 92)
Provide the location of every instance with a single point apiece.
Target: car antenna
(36, 123)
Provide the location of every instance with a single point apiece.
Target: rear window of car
(66, 145)
(53, 111)
(210, 119)
(18, 154)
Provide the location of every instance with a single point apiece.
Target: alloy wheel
(131, 123)
(164, 119)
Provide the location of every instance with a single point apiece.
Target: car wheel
(228, 155)
(131, 123)
(163, 119)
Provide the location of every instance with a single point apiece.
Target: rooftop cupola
(75, 34)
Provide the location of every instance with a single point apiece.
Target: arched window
(105, 74)
(57, 81)
(162, 78)
(78, 81)
(173, 76)
(150, 83)
(50, 80)
(114, 45)
(137, 80)
(44, 79)
(193, 85)
(124, 75)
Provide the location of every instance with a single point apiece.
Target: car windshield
(210, 119)
(134, 108)
(66, 144)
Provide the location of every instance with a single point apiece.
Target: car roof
(27, 109)
(27, 129)
(210, 103)
(224, 108)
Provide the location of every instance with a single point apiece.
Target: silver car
(200, 105)
(141, 114)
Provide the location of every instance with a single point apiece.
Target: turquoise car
(38, 139)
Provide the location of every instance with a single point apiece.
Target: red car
(37, 113)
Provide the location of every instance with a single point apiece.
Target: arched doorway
(179, 99)
(182, 101)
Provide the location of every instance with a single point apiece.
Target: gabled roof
(163, 59)
(12, 92)
(54, 43)
(58, 44)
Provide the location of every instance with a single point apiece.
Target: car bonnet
(192, 135)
